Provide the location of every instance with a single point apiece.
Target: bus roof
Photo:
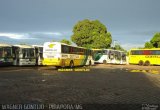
(109, 49)
(5, 45)
(23, 46)
(64, 44)
(146, 49)
(37, 45)
(97, 49)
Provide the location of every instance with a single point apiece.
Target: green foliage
(118, 47)
(155, 41)
(148, 45)
(91, 34)
(140, 48)
(66, 41)
(22, 43)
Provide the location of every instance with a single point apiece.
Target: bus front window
(31, 53)
(24, 55)
(7, 52)
(28, 53)
(1, 52)
(124, 57)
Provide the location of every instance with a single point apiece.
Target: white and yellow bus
(145, 56)
(63, 55)
(109, 56)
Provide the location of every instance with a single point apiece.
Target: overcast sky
(131, 22)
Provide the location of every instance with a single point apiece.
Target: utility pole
(114, 43)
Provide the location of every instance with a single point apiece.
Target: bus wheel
(57, 67)
(71, 65)
(140, 62)
(147, 63)
(104, 61)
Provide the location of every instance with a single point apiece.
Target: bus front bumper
(54, 62)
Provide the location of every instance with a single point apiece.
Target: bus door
(37, 55)
(119, 57)
(123, 58)
(111, 56)
(16, 51)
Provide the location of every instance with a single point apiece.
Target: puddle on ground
(146, 71)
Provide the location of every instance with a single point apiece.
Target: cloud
(55, 33)
(128, 46)
(64, 33)
(33, 37)
(16, 36)
(49, 33)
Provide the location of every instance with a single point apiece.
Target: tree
(155, 41)
(91, 34)
(66, 41)
(148, 45)
(22, 43)
(118, 47)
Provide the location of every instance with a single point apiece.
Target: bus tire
(104, 62)
(57, 67)
(71, 65)
(141, 63)
(147, 63)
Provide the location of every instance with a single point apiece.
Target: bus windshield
(28, 53)
(1, 52)
(97, 54)
(6, 52)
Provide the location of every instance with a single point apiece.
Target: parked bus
(6, 56)
(24, 55)
(62, 55)
(109, 56)
(39, 54)
(144, 56)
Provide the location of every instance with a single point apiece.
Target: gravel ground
(102, 85)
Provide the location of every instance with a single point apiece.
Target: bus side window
(70, 50)
(132, 53)
(82, 50)
(74, 50)
(85, 51)
(90, 52)
(65, 49)
(146, 52)
(158, 52)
